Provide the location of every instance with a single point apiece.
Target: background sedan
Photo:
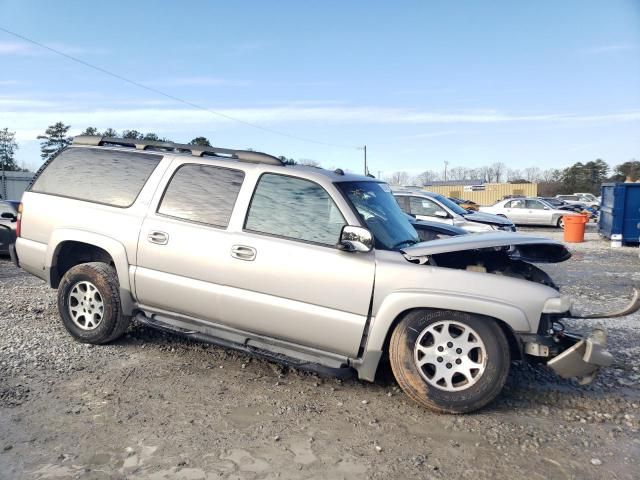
(529, 211)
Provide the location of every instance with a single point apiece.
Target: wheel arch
(69, 247)
(509, 318)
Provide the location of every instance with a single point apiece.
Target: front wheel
(560, 223)
(449, 361)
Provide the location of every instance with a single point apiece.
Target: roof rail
(195, 150)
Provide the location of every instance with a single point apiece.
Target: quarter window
(110, 177)
(202, 193)
(294, 208)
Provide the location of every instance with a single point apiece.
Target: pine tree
(55, 139)
(110, 132)
(8, 147)
(201, 141)
(91, 131)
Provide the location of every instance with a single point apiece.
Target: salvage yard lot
(154, 405)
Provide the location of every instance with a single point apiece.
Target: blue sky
(542, 83)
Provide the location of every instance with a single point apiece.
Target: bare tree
(498, 170)
(532, 174)
(425, 177)
(398, 178)
(513, 174)
(308, 162)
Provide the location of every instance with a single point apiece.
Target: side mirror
(9, 215)
(355, 239)
(441, 214)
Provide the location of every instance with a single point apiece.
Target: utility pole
(366, 168)
(445, 170)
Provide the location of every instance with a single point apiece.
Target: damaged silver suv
(319, 269)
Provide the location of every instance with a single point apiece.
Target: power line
(171, 97)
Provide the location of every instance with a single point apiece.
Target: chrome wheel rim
(561, 223)
(450, 355)
(86, 306)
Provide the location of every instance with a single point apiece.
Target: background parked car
(529, 211)
(466, 204)
(577, 198)
(8, 217)
(573, 207)
(434, 207)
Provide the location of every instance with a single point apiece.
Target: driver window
(424, 206)
(516, 204)
(294, 208)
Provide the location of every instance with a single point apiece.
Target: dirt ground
(156, 406)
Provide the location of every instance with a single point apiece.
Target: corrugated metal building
(485, 194)
(13, 184)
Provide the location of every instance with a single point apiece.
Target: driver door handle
(243, 252)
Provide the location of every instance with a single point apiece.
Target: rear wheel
(560, 223)
(89, 303)
(449, 361)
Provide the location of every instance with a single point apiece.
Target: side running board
(170, 325)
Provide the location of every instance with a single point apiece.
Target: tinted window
(103, 176)
(294, 208)
(423, 206)
(202, 193)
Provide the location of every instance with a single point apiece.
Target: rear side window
(102, 176)
(294, 208)
(202, 193)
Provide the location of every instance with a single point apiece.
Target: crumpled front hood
(487, 218)
(525, 247)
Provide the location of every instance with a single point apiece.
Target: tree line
(579, 177)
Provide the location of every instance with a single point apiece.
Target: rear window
(109, 177)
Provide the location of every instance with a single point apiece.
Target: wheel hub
(86, 306)
(450, 355)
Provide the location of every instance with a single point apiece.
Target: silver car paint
(528, 216)
(454, 218)
(313, 296)
(480, 240)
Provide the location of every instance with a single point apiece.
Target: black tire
(113, 322)
(486, 387)
(560, 223)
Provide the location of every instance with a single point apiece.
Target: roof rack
(195, 150)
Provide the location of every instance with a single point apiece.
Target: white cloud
(28, 49)
(198, 81)
(32, 117)
(15, 48)
(620, 47)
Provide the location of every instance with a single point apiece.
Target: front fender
(113, 247)
(398, 302)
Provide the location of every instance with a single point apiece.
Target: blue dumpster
(620, 211)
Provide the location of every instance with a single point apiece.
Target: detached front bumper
(570, 355)
(584, 358)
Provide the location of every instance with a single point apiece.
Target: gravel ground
(157, 406)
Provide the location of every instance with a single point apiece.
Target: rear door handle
(157, 237)
(242, 252)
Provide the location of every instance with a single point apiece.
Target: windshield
(379, 210)
(451, 205)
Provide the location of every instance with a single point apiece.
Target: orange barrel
(574, 226)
